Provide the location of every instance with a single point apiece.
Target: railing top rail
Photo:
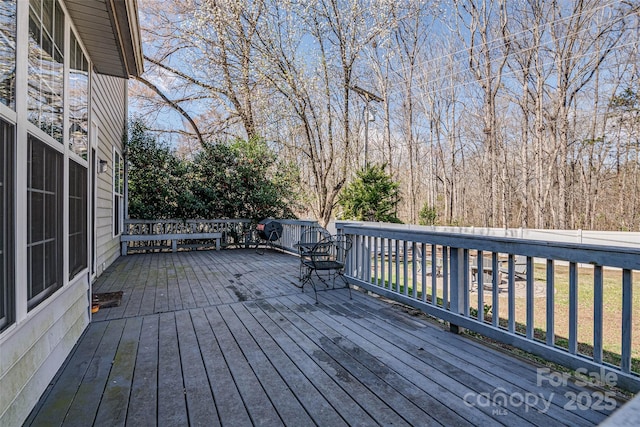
(304, 222)
(612, 256)
(608, 238)
(183, 221)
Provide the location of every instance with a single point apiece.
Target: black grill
(269, 230)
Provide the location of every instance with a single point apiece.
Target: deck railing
(235, 232)
(572, 304)
(292, 230)
(569, 303)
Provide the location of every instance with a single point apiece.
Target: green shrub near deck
(237, 179)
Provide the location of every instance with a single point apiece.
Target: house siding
(37, 347)
(38, 341)
(109, 110)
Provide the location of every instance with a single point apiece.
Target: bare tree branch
(173, 105)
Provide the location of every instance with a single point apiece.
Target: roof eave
(125, 15)
(110, 31)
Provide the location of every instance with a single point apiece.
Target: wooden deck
(225, 338)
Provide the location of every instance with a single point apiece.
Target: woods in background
(494, 113)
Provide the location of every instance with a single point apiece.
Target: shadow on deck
(225, 338)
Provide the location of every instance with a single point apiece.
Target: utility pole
(367, 96)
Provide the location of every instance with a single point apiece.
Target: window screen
(44, 210)
(77, 218)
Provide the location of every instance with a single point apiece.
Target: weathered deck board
(172, 407)
(337, 398)
(142, 408)
(462, 376)
(257, 402)
(283, 399)
(375, 394)
(516, 370)
(70, 378)
(88, 397)
(229, 404)
(300, 384)
(478, 369)
(202, 410)
(224, 338)
(398, 372)
(115, 397)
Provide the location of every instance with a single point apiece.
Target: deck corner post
(456, 281)
(455, 329)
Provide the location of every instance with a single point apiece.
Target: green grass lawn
(612, 312)
(612, 309)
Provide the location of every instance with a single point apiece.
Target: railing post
(456, 282)
(366, 258)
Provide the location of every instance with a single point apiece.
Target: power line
(527, 31)
(504, 74)
(463, 69)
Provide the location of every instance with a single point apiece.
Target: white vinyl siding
(45, 288)
(108, 107)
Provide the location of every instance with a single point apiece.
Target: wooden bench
(174, 237)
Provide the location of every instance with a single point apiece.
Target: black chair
(305, 245)
(327, 260)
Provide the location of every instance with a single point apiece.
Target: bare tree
(487, 37)
(410, 36)
(581, 41)
(314, 82)
(185, 42)
(514, 113)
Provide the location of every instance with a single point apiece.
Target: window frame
(11, 104)
(118, 192)
(50, 238)
(77, 239)
(47, 42)
(7, 224)
(78, 127)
